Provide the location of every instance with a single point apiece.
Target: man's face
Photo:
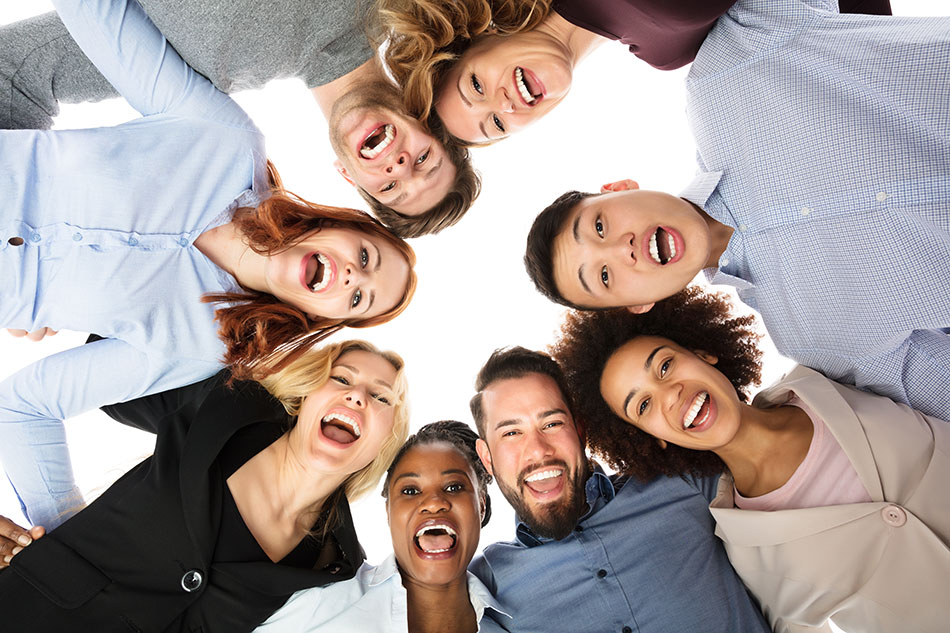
(387, 153)
(629, 248)
(535, 452)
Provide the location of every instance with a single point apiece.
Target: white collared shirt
(373, 600)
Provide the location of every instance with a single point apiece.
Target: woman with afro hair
(831, 502)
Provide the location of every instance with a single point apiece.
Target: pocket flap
(59, 573)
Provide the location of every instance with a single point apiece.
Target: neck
(327, 94)
(767, 449)
(228, 249)
(434, 609)
(578, 41)
(719, 236)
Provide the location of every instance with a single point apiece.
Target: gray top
(237, 44)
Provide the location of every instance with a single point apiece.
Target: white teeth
(321, 283)
(654, 251)
(345, 419)
(439, 526)
(694, 410)
(544, 474)
(669, 239)
(373, 152)
(522, 87)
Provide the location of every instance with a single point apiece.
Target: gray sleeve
(41, 65)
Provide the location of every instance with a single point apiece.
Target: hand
(13, 539)
(35, 335)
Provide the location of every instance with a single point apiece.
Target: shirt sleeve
(135, 57)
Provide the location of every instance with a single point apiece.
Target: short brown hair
(465, 189)
(693, 319)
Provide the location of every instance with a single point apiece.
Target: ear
(621, 185)
(712, 359)
(481, 447)
(640, 309)
(662, 444)
(342, 171)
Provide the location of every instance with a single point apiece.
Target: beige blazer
(880, 566)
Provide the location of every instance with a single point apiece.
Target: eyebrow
(646, 365)
(450, 471)
(458, 86)
(353, 369)
(575, 229)
(432, 171)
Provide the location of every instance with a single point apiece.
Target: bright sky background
(622, 120)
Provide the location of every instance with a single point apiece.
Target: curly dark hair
(693, 319)
(462, 438)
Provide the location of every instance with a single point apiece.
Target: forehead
(432, 458)
(521, 398)
(368, 364)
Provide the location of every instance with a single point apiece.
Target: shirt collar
(702, 186)
(385, 571)
(481, 598)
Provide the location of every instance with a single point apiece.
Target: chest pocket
(59, 573)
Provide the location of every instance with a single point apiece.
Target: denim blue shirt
(643, 559)
(107, 219)
(824, 141)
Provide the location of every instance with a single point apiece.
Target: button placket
(192, 580)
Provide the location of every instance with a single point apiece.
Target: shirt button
(579, 528)
(881, 196)
(77, 237)
(36, 237)
(743, 228)
(894, 516)
(724, 262)
(133, 241)
(626, 629)
(601, 573)
(805, 210)
(183, 241)
(191, 581)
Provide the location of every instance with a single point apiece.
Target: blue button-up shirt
(824, 141)
(644, 558)
(97, 231)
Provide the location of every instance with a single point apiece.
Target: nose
(356, 396)
(537, 448)
(435, 501)
(505, 103)
(672, 396)
(353, 275)
(624, 251)
(399, 165)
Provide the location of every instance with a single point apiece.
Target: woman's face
(342, 425)
(671, 393)
(503, 84)
(434, 514)
(339, 273)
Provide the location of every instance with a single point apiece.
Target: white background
(622, 120)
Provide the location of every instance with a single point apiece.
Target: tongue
(663, 245)
(544, 485)
(430, 541)
(338, 434)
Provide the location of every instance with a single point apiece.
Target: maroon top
(667, 33)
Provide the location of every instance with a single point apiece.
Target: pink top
(824, 478)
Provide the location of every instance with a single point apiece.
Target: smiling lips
(435, 538)
(664, 246)
(317, 272)
(377, 141)
(698, 412)
(341, 426)
(528, 86)
(545, 481)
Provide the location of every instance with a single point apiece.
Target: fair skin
(379, 148)
(280, 491)
(533, 447)
(334, 272)
(501, 85)
(678, 396)
(630, 248)
(434, 486)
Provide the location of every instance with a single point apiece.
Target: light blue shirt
(372, 601)
(824, 141)
(108, 218)
(644, 559)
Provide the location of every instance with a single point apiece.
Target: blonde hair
(311, 371)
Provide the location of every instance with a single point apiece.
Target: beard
(555, 519)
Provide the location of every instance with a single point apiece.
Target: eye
(423, 158)
(509, 433)
(364, 257)
(553, 424)
(409, 491)
(643, 406)
(599, 227)
(476, 85)
(340, 379)
(357, 297)
(665, 367)
(498, 123)
(456, 487)
(381, 398)
(604, 277)
(388, 187)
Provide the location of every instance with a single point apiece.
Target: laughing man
(823, 196)
(592, 552)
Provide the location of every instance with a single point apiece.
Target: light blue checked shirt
(824, 141)
(108, 219)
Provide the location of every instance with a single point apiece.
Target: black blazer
(139, 558)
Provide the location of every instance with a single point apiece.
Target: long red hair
(263, 334)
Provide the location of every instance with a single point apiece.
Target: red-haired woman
(129, 231)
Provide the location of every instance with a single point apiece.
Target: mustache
(541, 465)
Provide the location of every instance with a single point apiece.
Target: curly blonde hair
(427, 36)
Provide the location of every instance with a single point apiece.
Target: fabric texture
(880, 566)
(824, 141)
(635, 562)
(238, 45)
(374, 601)
(140, 557)
(97, 235)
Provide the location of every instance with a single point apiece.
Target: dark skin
(14, 538)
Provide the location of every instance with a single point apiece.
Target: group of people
(822, 196)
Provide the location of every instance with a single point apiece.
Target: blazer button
(192, 580)
(894, 515)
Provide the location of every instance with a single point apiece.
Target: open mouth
(340, 427)
(698, 411)
(377, 141)
(662, 247)
(319, 272)
(436, 538)
(530, 94)
(545, 480)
